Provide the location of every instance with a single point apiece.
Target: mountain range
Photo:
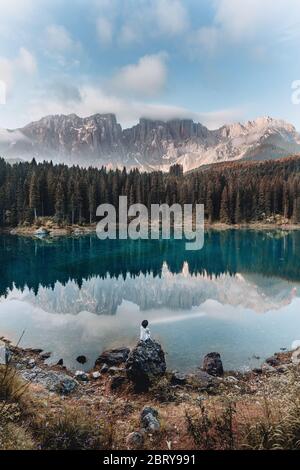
(150, 145)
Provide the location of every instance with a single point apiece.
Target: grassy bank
(255, 410)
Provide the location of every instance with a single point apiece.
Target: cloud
(26, 61)
(128, 35)
(105, 4)
(104, 30)
(58, 39)
(15, 8)
(250, 23)
(17, 17)
(216, 119)
(171, 16)
(60, 48)
(6, 72)
(11, 69)
(245, 20)
(148, 77)
(86, 100)
(207, 38)
(129, 21)
(64, 92)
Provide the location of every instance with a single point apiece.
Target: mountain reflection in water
(54, 287)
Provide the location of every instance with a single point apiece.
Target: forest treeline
(231, 192)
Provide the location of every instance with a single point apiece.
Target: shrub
(213, 431)
(12, 387)
(14, 437)
(162, 391)
(73, 429)
(279, 427)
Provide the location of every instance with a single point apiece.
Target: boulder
(267, 368)
(212, 364)
(117, 381)
(231, 379)
(113, 357)
(149, 419)
(96, 375)
(178, 378)
(81, 375)
(145, 363)
(33, 350)
(204, 381)
(53, 381)
(273, 361)
(45, 355)
(78, 231)
(41, 232)
(81, 359)
(104, 369)
(31, 363)
(282, 369)
(135, 440)
(115, 370)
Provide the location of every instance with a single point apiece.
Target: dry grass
(27, 423)
(213, 429)
(267, 418)
(71, 429)
(162, 391)
(270, 421)
(12, 387)
(15, 437)
(279, 426)
(14, 402)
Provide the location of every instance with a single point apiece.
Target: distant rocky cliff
(99, 140)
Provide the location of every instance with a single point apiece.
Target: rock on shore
(113, 357)
(51, 380)
(150, 420)
(212, 364)
(145, 362)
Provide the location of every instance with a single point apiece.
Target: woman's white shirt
(145, 334)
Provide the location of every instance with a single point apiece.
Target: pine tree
(235, 192)
(72, 201)
(296, 210)
(59, 203)
(92, 201)
(285, 200)
(78, 201)
(176, 170)
(238, 210)
(224, 209)
(34, 198)
(209, 206)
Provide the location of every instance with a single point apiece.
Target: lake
(74, 296)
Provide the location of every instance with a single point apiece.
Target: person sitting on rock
(145, 332)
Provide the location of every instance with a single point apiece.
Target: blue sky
(216, 61)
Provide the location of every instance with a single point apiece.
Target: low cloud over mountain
(100, 140)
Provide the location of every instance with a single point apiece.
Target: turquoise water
(239, 295)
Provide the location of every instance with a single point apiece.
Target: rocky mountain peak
(151, 144)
